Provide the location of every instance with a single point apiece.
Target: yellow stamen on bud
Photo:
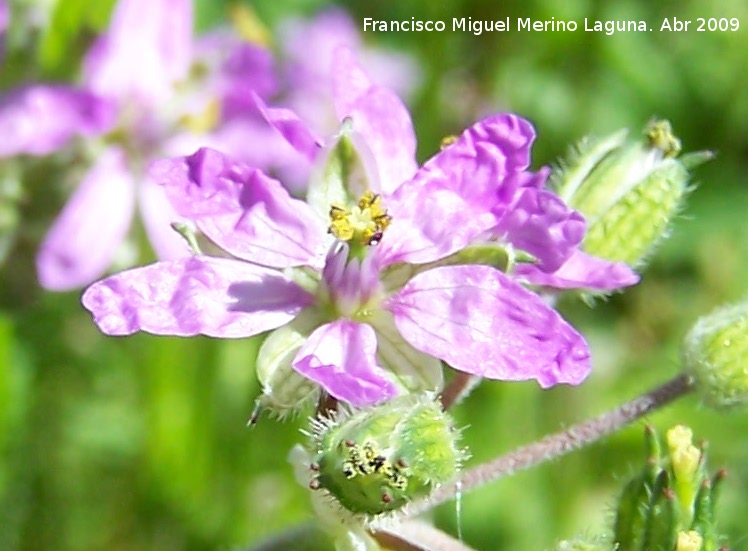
(685, 457)
(660, 135)
(684, 460)
(689, 541)
(364, 223)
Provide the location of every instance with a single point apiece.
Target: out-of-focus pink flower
(149, 89)
(376, 305)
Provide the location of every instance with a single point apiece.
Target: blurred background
(141, 442)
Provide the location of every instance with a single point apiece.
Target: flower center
(363, 224)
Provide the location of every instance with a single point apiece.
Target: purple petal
(341, 357)
(237, 70)
(145, 51)
(292, 128)
(40, 119)
(158, 215)
(243, 211)
(379, 116)
(540, 223)
(479, 321)
(454, 197)
(218, 297)
(581, 271)
(84, 239)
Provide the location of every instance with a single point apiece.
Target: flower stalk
(557, 444)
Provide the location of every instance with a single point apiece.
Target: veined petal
(581, 271)
(542, 224)
(292, 128)
(145, 51)
(245, 212)
(379, 116)
(454, 197)
(40, 119)
(341, 357)
(479, 321)
(84, 239)
(218, 297)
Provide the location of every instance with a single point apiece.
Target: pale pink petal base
(218, 297)
(478, 320)
(158, 215)
(341, 357)
(84, 239)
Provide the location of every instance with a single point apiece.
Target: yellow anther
(365, 222)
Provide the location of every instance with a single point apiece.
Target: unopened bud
(627, 189)
(379, 459)
(671, 503)
(715, 352)
(689, 541)
(284, 391)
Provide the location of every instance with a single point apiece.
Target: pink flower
(379, 304)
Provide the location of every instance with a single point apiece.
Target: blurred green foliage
(140, 442)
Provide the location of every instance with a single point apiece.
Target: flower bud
(627, 189)
(714, 353)
(379, 459)
(284, 391)
(670, 503)
(689, 541)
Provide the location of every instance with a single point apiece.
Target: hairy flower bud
(670, 504)
(379, 459)
(714, 353)
(628, 190)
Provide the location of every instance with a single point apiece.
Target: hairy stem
(557, 444)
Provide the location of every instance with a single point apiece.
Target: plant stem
(458, 388)
(557, 444)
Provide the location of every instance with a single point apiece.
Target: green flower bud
(670, 504)
(714, 353)
(284, 391)
(379, 459)
(628, 190)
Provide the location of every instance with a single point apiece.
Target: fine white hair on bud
(377, 460)
(628, 189)
(714, 354)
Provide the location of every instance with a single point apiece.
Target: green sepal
(571, 172)
(631, 516)
(342, 173)
(704, 514)
(663, 515)
(633, 225)
(284, 391)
